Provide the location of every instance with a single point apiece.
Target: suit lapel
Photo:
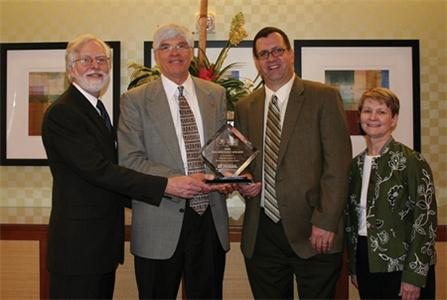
(256, 129)
(159, 112)
(257, 124)
(207, 115)
(91, 112)
(296, 99)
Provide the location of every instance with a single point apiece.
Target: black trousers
(384, 285)
(82, 286)
(199, 257)
(274, 264)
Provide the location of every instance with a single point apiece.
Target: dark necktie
(191, 138)
(271, 151)
(104, 115)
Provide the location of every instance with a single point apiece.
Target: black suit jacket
(86, 230)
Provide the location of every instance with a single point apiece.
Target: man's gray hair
(74, 46)
(170, 31)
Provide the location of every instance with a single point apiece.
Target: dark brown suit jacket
(314, 158)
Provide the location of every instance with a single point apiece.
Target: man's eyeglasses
(275, 52)
(87, 61)
(168, 48)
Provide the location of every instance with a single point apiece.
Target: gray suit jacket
(147, 142)
(314, 158)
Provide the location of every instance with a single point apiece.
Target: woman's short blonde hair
(382, 95)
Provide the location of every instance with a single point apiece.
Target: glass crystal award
(228, 151)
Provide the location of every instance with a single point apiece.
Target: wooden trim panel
(33, 232)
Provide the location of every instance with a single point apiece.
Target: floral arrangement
(216, 72)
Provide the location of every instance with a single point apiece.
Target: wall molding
(34, 232)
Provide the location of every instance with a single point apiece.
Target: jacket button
(182, 210)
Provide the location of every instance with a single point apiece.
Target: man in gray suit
(162, 127)
(293, 220)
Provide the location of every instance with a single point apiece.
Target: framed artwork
(241, 55)
(356, 65)
(32, 77)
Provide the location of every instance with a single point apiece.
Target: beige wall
(133, 21)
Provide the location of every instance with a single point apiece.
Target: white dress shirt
(364, 194)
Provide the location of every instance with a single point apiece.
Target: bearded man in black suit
(86, 229)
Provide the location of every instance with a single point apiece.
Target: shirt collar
(171, 87)
(282, 93)
(92, 99)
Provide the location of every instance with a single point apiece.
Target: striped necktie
(191, 138)
(271, 150)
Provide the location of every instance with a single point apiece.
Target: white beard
(92, 85)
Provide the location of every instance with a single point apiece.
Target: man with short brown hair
(293, 223)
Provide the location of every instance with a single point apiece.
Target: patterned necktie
(191, 138)
(271, 150)
(104, 115)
